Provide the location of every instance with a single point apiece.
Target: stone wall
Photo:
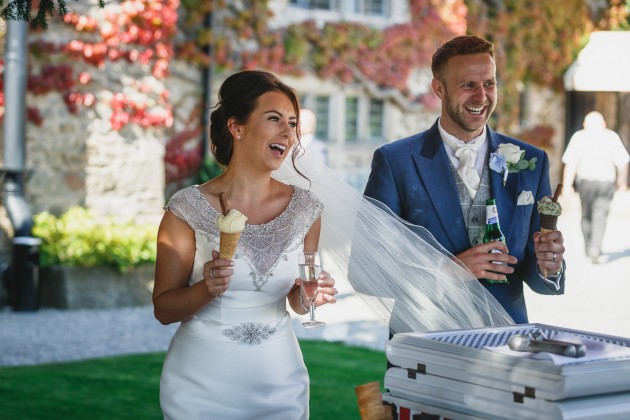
(77, 162)
(80, 159)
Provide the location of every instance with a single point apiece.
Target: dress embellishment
(261, 246)
(249, 333)
(260, 280)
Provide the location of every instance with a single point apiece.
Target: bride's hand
(327, 291)
(217, 274)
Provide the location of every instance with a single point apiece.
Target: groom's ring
(212, 275)
(554, 257)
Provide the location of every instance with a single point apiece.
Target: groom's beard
(459, 114)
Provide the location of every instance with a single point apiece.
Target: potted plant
(94, 262)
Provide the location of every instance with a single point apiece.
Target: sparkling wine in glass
(310, 268)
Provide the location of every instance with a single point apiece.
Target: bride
(235, 354)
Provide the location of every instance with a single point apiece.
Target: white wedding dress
(238, 357)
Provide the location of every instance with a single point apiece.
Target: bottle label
(492, 215)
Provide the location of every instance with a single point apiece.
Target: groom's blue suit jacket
(413, 178)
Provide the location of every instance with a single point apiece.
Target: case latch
(421, 368)
(520, 397)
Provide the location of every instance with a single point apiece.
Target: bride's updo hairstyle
(237, 98)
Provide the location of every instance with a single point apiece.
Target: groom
(441, 179)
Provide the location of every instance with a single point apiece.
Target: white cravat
(466, 154)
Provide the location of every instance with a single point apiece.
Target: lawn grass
(126, 387)
(335, 370)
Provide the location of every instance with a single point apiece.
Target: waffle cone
(548, 222)
(227, 244)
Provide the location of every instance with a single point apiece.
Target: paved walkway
(597, 296)
(596, 300)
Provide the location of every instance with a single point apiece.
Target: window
(352, 120)
(371, 7)
(322, 105)
(314, 4)
(375, 119)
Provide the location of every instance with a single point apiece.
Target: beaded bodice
(261, 246)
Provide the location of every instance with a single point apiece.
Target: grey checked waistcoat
(474, 210)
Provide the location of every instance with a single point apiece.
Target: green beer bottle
(493, 232)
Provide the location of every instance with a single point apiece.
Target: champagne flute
(310, 268)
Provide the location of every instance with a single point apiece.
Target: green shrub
(79, 238)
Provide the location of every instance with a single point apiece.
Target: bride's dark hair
(237, 98)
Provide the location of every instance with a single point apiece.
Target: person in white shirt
(315, 149)
(597, 162)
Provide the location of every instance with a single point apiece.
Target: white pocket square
(525, 198)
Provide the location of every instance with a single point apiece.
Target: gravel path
(54, 335)
(51, 335)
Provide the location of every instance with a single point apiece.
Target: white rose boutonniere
(509, 158)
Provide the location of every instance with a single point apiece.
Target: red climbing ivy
(535, 41)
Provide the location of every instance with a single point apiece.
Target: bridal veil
(398, 269)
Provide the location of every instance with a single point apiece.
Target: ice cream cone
(548, 222)
(549, 209)
(227, 244)
(230, 224)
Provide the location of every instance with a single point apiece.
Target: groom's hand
(549, 250)
(481, 262)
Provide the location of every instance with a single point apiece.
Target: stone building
(354, 119)
(79, 159)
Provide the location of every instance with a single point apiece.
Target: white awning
(603, 65)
